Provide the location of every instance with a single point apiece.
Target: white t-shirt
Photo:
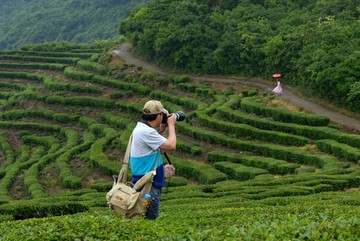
(146, 140)
(144, 153)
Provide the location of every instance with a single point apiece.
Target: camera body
(180, 116)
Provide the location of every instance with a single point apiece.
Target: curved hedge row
(65, 174)
(22, 163)
(201, 90)
(59, 67)
(77, 74)
(52, 143)
(29, 125)
(81, 101)
(179, 100)
(204, 173)
(92, 66)
(99, 158)
(275, 151)
(227, 111)
(49, 83)
(13, 86)
(17, 114)
(256, 106)
(42, 208)
(65, 60)
(246, 131)
(340, 150)
(67, 178)
(188, 147)
(98, 79)
(137, 88)
(11, 172)
(8, 153)
(118, 122)
(48, 54)
(31, 179)
(264, 186)
(31, 175)
(274, 166)
(238, 171)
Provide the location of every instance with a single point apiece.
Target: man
(145, 149)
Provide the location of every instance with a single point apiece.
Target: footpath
(124, 52)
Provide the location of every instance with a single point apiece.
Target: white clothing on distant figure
(278, 89)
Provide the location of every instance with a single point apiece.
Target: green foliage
(92, 66)
(184, 101)
(60, 149)
(242, 130)
(39, 208)
(274, 166)
(78, 22)
(256, 106)
(238, 171)
(354, 96)
(98, 157)
(285, 221)
(202, 172)
(8, 152)
(315, 44)
(191, 148)
(176, 181)
(338, 149)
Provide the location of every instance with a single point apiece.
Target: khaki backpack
(130, 201)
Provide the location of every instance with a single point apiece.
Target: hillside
(25, 22)
(249, 165)
(314, 44)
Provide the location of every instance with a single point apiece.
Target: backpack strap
(123, 171)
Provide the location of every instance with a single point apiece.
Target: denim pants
(154, 209)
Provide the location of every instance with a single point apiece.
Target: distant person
(278, 89)
(145, 149)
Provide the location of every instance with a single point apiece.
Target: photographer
(145, 149)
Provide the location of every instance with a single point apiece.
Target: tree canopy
(314, 44)
(25, 21)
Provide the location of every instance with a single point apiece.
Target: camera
(180, 116)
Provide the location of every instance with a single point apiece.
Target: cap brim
(165, 111)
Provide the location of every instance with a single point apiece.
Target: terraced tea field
(249, 166)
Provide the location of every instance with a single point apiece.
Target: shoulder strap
(123, 171)
(157, 159)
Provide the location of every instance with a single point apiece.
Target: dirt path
(124, 53)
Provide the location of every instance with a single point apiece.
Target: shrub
(40, 209)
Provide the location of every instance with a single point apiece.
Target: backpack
(130, 200)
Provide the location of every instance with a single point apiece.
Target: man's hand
(170, 143)
(171, 120)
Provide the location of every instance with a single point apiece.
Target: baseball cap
(154, 107)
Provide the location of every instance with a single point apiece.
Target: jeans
(154, 209)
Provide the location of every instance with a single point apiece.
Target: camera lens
(180, 116)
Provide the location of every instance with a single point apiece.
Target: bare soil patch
(17, 189)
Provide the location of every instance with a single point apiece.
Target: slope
(25, 22)
(248, 165)
(124, 52)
